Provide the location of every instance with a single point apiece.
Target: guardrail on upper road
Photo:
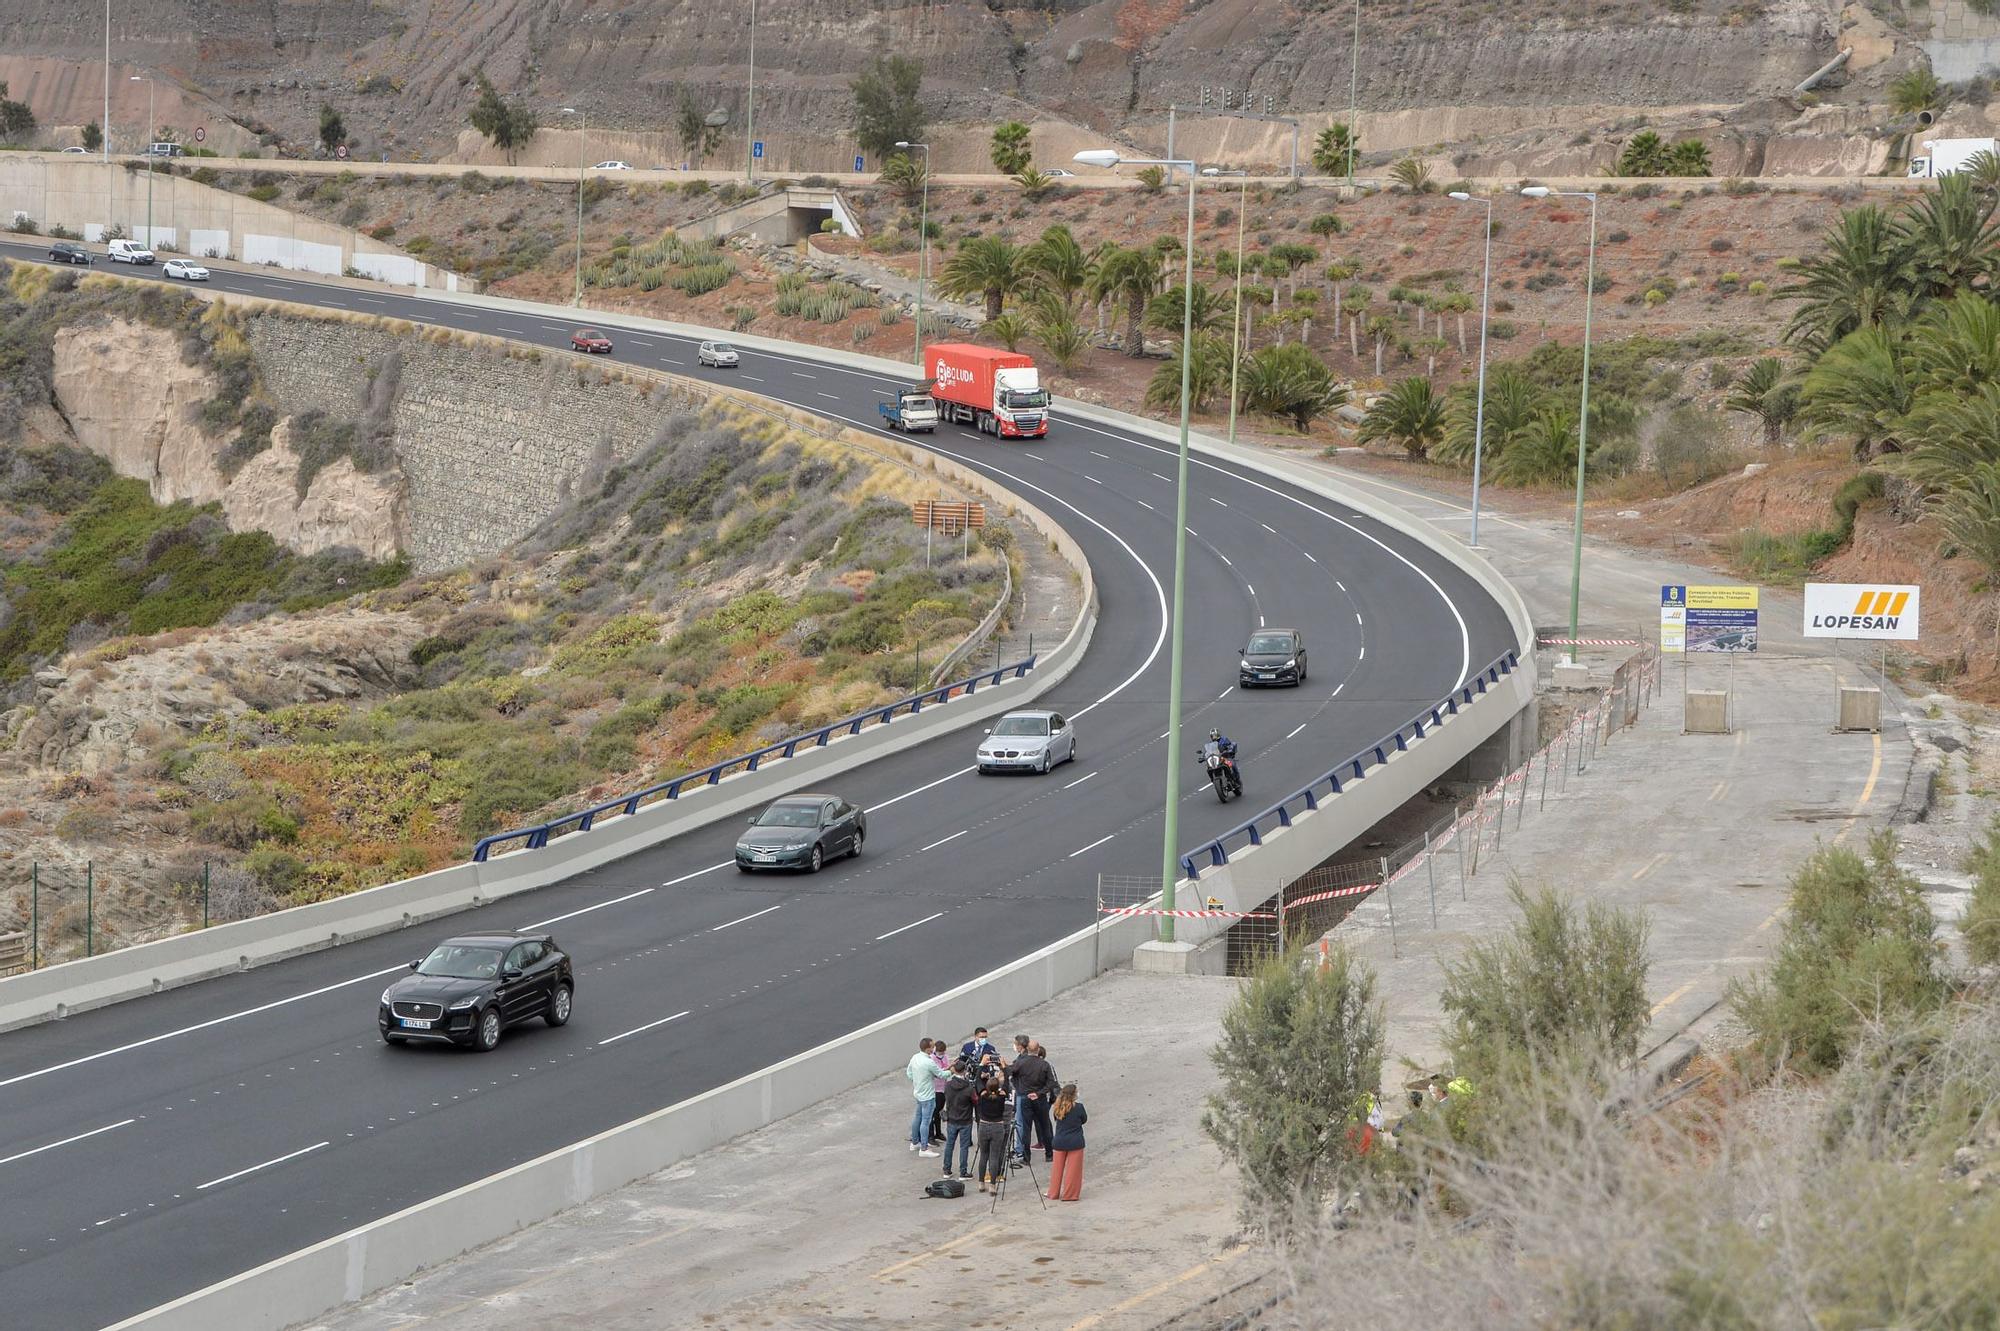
(1250, 832)
(538, 836)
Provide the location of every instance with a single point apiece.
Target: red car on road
(589, 339)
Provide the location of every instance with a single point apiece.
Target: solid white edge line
(23, 1155)
(293, 1155)
(1092, 846)
(935, 844)
(636, 1030)
(751, 916)
(1080, 780)
(913, 924)
(558, 919)
(199, 1026)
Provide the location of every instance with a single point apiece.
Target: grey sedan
(1027, 742)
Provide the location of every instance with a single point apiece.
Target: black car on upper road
(470, 989)
(801, 832)
(1273, 656)
(64, 251)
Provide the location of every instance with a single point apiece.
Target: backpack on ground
(945, 1187)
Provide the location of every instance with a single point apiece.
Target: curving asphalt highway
(154, 1147)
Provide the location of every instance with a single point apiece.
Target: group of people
(971, 1096)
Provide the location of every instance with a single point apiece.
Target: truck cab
(1020, 403)
(911, 410)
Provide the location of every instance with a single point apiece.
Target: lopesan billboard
(1862, 610)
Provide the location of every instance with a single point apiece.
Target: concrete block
(1707, 712)
(1209, 958)
(1860, 710)
(1571, 675)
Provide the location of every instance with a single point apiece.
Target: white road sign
(1862, 610)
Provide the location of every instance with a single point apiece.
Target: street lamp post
(750, 105)
(582, 146)
(923, 251)
(1479, 409)
(1236, 322)
(1583, 417)
(1169, 855)
(104, 139)
(1353, 95)
(151, 130)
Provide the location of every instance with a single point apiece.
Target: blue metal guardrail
(1251, 833)
(581, 821)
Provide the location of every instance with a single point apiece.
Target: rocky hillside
(400, 72)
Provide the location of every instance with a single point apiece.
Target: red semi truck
(994, 391)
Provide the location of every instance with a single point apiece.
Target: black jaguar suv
(470, 989)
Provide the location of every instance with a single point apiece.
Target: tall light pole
(750, 105)
(1583, 417)
(1479, 409)
(1236, 323)
(151, 130)
(1169, 855)
(104, 139)
(923, 251)
(583, 134)
(1353, 95)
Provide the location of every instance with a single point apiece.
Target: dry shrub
(1866, 1202)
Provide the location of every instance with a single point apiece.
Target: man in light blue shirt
(922, 1072)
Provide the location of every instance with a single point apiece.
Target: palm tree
(1543, 452)
(1413, 174)
(1410, 414)
(1381, 329)
(1059, 264)
(1007, 330)
(1984, 171)
(1952, 239)
(987, 267)
(1130, 276)
(1208, 375)
(1918, 90)
(1768, 393)
(1862, 278)
(1432, 347)
(1305, 303)
(1689, 157)
(905, 175)
(1645, 154)
(1861, 387)
(1329, 151)
(1458, 303)
(1293, 256)
(1512, 399)
(1954, 350)
(1060, 334)
(1212, 310)
(1034, 184)
(1340, 272)
(1290, 381)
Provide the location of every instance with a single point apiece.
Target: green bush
(1562, 985)
(1980, 924)
(1857, 945)
(1301, 1052)
(262, 193)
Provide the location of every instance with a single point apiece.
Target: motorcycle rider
(1226, 746)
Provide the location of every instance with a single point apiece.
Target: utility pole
(1353, 91)
(750, 104)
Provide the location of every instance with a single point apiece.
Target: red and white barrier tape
(1188, 914)
(1590, 642)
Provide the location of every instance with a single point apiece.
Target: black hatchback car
(64, 252)
(801, 832)
(1273, 656)
(470, 989)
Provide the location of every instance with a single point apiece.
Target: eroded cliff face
(127, 396)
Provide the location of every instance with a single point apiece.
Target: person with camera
(961, 1097)
(990, 1113)
(1034, 1087)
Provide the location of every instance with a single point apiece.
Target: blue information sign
(858, 161)
(757, 148)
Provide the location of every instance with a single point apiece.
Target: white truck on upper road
(1945, 157)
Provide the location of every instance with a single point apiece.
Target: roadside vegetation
(1838, 1171)
(732, 583)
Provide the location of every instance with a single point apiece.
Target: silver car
(1027, 742)
(716, 353)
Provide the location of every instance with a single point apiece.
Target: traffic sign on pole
(757, 149)
(859, 161)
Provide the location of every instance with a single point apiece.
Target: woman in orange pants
(1066, 1170)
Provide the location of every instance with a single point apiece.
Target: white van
(129, 251)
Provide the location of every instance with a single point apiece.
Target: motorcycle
(1222, 774)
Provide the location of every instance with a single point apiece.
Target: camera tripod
(1025, 1160)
